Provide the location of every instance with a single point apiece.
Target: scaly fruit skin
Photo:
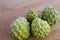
(50, 15)
(31, 14)
(20, 28)
(40, 28)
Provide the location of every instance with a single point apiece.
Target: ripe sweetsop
(31, 14)
(50, 15)
(20, 28)
(40, 28)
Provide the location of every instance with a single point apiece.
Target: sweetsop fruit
(40, 28)
(50, 15)
(20, 28)
(31, 14)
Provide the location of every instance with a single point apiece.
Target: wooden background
(11, 9)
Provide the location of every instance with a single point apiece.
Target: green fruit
(20, 28)
(40, 28)
(50, 15)
(31, 14)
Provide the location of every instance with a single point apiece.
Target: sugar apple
(50, 15)
(31, 14)
(20, 28)
(40, 28)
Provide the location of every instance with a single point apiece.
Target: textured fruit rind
(40, 28)
(50, 15)
(20, 28)
(31, 14)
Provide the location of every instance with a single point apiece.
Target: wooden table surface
(11, 9)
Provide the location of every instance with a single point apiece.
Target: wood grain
(11, 9)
